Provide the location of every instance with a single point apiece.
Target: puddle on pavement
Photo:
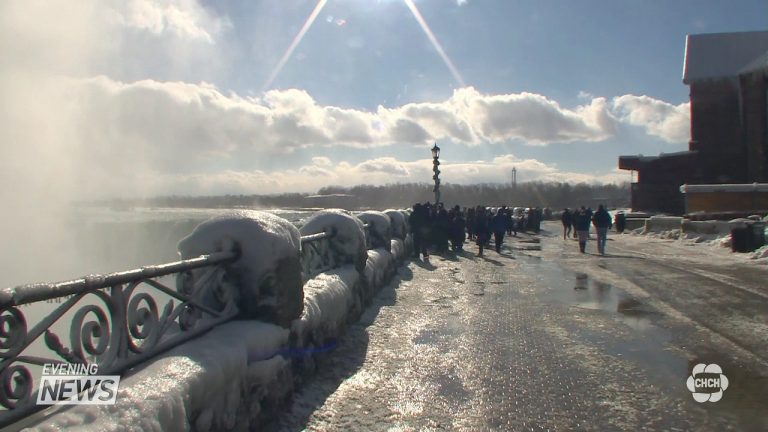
(453, 326)
(744, 402)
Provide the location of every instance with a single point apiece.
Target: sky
(131, 98)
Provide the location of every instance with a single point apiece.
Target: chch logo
(707, 382)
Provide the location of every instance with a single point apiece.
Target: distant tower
(514, 177)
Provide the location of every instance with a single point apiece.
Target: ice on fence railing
(348, 243)
(397, 222)
(329, 300)
(379, 228)
(197, 386)
(380, 264)
(268, 270)
(399, 250)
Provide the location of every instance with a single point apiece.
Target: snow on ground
(712, 245)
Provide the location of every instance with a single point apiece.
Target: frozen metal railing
(317, 255)
(115, 321)
(114, 324)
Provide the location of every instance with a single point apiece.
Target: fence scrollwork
(114, 321)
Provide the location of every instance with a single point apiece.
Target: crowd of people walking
(441, 230)
(578, 222)
(436, 228)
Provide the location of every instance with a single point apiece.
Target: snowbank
(227, 378)
(663, 223)
(268, 270)
(719, 228)
(379, 229)
(761, 254)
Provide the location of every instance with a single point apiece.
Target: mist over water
(57, 152)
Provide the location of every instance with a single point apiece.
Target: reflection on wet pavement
(530, 345)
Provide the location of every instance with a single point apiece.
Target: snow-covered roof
(749, 187)
(720, 55)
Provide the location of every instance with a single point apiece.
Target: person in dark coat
(602, 222)
(582, 220)
(498, 226)
(442, 228)
(458, 225)
(470, 213)
(567, 219)
(419, 221)
(482, 230)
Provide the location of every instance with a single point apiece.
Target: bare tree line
(400, 195)
(529, 194)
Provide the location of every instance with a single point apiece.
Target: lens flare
(313, 16)
(431, 36)
(296, 40)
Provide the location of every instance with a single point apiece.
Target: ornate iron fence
(115, 322)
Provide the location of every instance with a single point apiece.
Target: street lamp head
(435, 151)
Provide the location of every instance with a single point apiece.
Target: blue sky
(141, 97)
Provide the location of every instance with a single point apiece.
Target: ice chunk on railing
(347, 243)
(379, 229)
(268, 270)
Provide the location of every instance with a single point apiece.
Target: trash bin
(740, 238)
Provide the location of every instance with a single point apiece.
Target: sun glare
(313, 16)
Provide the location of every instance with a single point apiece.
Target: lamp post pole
(436, 177)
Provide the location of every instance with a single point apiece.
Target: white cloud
(85, 132)
(385, 165)
(672, 123)
(322, 161)
(177, 127)
(181, 18)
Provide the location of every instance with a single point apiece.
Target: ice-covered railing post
(114, 322)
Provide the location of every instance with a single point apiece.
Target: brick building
(728, 78)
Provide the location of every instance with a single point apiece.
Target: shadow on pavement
(424, 264)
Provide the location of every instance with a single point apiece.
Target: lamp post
(436, 177)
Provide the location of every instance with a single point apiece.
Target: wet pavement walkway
(544, 338)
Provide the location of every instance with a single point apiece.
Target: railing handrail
(324, 235)
(315, 237)
(30, 293)
(25, 294)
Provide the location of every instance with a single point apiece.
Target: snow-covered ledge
(228, 379)
(237, 375)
